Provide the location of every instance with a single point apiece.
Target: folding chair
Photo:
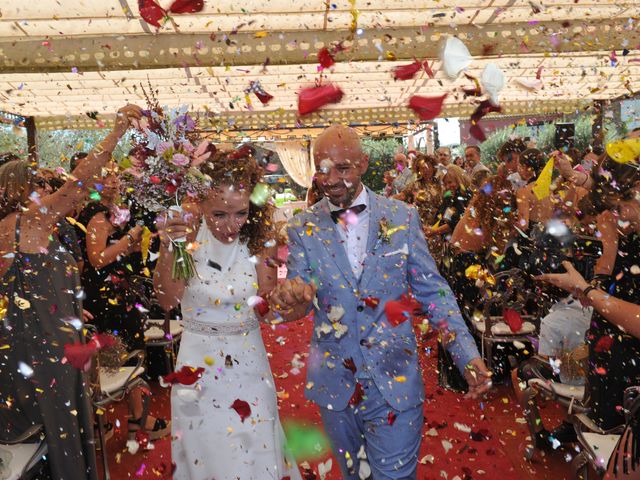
(21, 459)
(165, 333)
(540, 385)
(599, 445)
(491, 329)
(113, 386)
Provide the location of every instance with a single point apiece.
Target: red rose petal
(151, 12)
(483, 109)
(79, 355)
(314, 98)
(185, 376)
(325, 58)
(604, 344)
(407, 72)
(372, 302)
(398, 311)
(427, 108)
(349, 365)
(391, 418)
(513, 319)
(187, 6)
(262, 308)
(242, 408)
(358, 395)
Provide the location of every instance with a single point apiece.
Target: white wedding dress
(209, 439)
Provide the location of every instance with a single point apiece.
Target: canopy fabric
(74, 65)
(294, 156)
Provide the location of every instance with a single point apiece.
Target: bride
(226, 425)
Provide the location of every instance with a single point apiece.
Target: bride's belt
(219, 329)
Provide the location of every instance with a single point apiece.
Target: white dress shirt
(354, 232)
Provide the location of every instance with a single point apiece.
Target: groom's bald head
(340, 163)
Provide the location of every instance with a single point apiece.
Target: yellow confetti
(400, 379)
(624, 151)
(76, 223)
(260, 34)
(209, 361)
(145, 243)
(542, 185)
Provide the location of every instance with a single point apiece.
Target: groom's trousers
(391, 438)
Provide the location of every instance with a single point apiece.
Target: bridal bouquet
(162, 170)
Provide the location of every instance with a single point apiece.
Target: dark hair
(611, 181)
(534, 159)
(8, 157)
(16, 183)
(495, 209)
(515, 145)
(423, 158)
(240, 169)
(75, 159)
(474, 147)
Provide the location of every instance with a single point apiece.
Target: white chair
(491, 329)
(599, 445)
(22, 460)
(164, 333)
(113, 387)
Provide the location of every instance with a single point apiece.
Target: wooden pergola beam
(147, 51)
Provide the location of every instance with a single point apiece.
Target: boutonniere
(386, 230)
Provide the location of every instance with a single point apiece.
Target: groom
(355, 251)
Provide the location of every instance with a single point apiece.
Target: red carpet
(493, 448)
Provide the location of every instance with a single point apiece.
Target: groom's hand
(291, 295)
(478, 377)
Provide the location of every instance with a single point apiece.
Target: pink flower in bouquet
(186, 146)
(163, 147)
(155, 179)
(180, 160)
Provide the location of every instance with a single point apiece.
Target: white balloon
(455, 57)
(492, 81)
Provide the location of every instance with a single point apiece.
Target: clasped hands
(292, 295)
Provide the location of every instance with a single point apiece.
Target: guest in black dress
(112, 284)
(42, 313)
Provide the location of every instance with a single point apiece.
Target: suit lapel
(331, 240)
(376, 214)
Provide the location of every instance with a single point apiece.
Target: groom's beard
(342, 194)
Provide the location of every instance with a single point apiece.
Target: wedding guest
(404, 176)
(474, 167)
(456, 195)
(113, 295)
(426, 195)
(38, 386)
(443, 154)
(509, 157)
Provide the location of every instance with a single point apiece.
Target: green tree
(380, 152)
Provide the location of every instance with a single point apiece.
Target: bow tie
(357, 209)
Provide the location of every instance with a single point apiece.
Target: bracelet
(130, 238)
(584, 295)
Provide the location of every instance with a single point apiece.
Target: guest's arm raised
(61, 203)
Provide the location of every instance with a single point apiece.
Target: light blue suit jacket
(388, 354)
